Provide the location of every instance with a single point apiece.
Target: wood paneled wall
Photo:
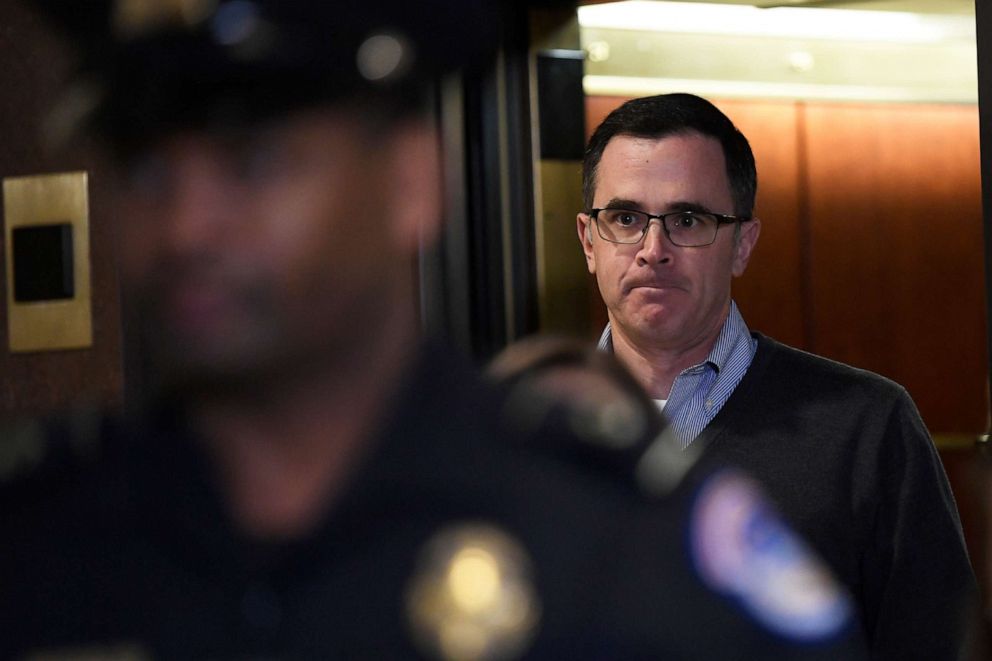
(896, 253)
(871, 244)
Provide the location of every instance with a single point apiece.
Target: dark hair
(672, 114)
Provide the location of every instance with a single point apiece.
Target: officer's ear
(415, 187)
(583, 227)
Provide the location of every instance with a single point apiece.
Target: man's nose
(656, 247)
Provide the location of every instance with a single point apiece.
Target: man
(313, 480)
(669, 186)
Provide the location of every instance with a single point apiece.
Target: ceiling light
(790, 22)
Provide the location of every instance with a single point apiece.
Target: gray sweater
(849, 462)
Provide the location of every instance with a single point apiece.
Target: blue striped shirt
(700, 391)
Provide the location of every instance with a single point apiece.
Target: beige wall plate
(47, 217)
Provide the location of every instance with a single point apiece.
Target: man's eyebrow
(681, 205)
(685, 205)
(621, 203)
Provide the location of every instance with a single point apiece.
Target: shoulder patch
(742, 549)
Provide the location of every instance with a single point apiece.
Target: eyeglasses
(688, 229)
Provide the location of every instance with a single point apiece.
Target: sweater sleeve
(919, 587)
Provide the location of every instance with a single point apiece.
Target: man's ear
(583, 227)
(415, 208)
(750, 231)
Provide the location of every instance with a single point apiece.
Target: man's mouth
(659, 285)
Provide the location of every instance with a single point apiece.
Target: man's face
(660, 296)
(275, 250)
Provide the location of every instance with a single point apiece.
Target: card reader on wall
(47, 262)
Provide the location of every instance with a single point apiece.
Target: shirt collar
(733, 332)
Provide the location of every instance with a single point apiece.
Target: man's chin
(651, 318)
(653, 328)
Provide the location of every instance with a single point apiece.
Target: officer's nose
(656, 247)
(197, 202)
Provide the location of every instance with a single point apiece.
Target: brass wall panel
(44, 200)
(565, 287)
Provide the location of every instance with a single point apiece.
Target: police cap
(152, 66)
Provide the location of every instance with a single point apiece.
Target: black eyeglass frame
(721, 219)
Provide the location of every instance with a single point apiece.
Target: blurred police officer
(313, 480)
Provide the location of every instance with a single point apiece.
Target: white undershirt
(661, 403)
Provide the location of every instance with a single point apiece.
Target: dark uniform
(124, 550)
(454, 537)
